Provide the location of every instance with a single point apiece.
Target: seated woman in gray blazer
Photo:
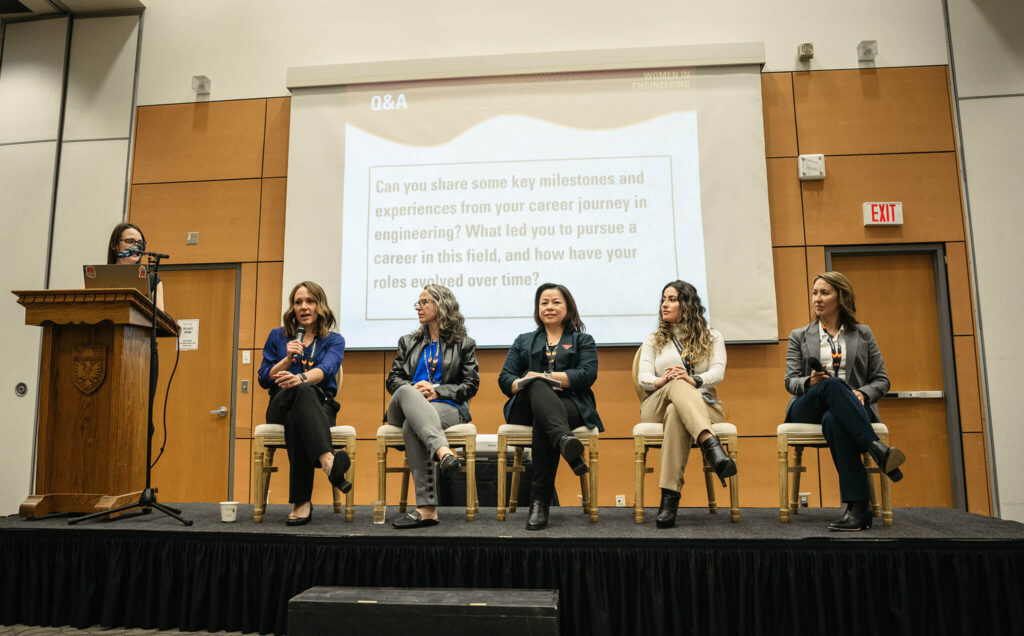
(547, 377)
(842, 393)
(434, 375)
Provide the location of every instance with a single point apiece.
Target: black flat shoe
(449, 464)
(300, 521)
(668, 509)
(413, 520)
(538, 519)
(856, 517)
(722, 464)
(888, 458)
(338, 470)
(571, 448)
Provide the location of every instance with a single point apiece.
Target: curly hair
(324, 316)
(847, 300)
(451, 325)
(692, 329)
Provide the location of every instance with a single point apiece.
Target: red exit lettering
(882, 213)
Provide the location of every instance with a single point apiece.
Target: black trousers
(553, 415)
(846, 424)
(307, 420)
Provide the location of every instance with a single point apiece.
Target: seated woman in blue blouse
(557, 353)
(300, 367)
(434, 375)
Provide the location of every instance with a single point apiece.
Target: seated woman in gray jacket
(434, 375)
(836, 375)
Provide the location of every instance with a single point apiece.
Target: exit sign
(883, 213)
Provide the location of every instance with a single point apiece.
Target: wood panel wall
(221, 168)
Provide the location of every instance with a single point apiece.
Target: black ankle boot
(715, 455)
(667, 510)
(857, 516)
(888, 459)
(538, 519)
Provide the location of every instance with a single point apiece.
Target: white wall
(988, 55)
(245, 46)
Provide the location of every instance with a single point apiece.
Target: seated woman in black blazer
(558, 352)
(842, 393)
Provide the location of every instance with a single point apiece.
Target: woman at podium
(125, 247)
(432, 379)
(679, 366)
(300, 366)
(836, 375)
(547, 377)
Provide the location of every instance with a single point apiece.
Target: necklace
(431, 355)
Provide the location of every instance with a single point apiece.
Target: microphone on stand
(138, 248)
(300, 333)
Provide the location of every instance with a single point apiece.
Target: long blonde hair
(847, 299)
(692, 329)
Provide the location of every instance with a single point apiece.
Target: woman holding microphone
(836, 375)
(300, 366)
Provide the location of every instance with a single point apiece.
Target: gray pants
(423, 424)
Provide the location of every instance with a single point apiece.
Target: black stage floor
(935, 571)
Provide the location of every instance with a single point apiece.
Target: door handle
(903, 395)
(222, 411)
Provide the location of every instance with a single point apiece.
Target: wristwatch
(303, 377)
(547, 374)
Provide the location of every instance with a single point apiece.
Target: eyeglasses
(131, 242)
(421, 303)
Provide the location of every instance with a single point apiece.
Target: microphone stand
(147, 500)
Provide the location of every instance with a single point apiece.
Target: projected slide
(512, 202)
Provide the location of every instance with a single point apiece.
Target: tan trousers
(685, 415)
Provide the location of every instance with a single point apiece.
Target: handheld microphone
(133, 250)
(815, 365)
(300, 333)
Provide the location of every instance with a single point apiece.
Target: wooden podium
(93, 397)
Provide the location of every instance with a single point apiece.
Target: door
(898, 297)
(196, 462)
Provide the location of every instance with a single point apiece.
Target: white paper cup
(228, 511)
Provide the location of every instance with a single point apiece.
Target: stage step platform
(936, 571)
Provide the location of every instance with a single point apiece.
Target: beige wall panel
(925, 183)
(976, 474)
(617, 403)
(967, 384)
(867, 111)
(199, 142)
(489, 401)
(787, 214)
(790, 288)
(275, 149)
(361, 396)
(225, 213)
(779, 120)
(918, 428)
(268, 300)
(272, 220)
(243, 401)
(243, 473)
(961, 301)
(247, 308)
(815, 266)
(753, 393)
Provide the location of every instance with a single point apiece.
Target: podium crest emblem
(89, 367)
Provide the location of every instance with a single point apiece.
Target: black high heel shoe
(338, 470)
(722, 464)
(857, 516)
(300, 521)
(668, 509)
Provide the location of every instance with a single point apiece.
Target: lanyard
(687, 359)
(307, 360)
(431, 354)
(551, 351)
(837, 350)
